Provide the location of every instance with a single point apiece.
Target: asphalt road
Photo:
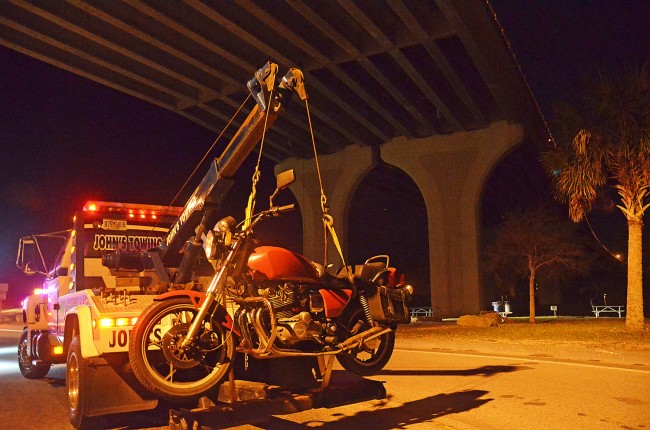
(427, 389)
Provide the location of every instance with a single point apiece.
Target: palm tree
(609, 145)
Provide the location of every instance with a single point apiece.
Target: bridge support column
(450, 172)
(341, 173)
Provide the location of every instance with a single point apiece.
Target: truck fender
(79, 322)
(197, 300)
(36, 312)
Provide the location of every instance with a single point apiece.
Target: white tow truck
(84, 311)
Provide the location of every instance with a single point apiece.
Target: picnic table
(599, 309)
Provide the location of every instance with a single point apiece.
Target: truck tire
(30, 367)
(75, 378)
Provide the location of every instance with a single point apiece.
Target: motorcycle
(266, 302)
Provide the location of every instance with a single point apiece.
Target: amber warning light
(133, 210)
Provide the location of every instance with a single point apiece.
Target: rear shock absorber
(366, 308)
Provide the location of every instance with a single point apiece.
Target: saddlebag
(389, 305)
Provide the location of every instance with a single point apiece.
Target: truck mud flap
(257, 402)
(112, 388)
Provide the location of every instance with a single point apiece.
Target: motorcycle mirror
(284, 179)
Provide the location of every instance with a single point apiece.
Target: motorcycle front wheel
(371, 356)
(166, 369)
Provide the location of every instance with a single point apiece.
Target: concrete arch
(388, 215)
(450, 171)
(341, 173)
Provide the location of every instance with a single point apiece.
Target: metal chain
(250, 208)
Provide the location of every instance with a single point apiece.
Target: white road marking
(530, 359)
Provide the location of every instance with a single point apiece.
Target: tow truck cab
(81, 297)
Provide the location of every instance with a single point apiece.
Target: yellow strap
(250, 207)
(328, 221)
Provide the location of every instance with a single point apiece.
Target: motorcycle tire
(370, 357)
(165, 369)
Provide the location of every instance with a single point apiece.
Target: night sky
(66, 139)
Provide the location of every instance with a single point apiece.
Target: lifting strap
(250, 207)
(328, 220)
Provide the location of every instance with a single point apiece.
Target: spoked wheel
(166, 369)
(372, 355)
(29, 366)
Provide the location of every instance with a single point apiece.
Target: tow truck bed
(257, 402)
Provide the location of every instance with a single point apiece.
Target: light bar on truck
(132, 210)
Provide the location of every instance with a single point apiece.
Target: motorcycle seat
(366, 272)
(362, 276)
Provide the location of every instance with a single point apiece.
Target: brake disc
(181, 358)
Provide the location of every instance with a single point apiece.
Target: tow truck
(83, 311)
(96, 288)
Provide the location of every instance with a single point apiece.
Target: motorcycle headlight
(224, 228)
(224, 225)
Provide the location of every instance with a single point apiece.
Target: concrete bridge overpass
(430, 89)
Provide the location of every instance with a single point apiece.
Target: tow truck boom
(217, 182)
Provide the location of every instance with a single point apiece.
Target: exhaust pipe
(355, 340)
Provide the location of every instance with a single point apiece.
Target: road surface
(427, 389)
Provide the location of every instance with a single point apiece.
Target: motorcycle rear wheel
(369, 358)
(169, 371)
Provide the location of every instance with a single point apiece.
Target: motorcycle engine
(291, 305)
(282, 297)
(299, 327)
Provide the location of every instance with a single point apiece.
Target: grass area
(608, 333)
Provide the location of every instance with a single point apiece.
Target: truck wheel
(30, 367)
(75, 377)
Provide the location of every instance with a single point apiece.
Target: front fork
(215, 286)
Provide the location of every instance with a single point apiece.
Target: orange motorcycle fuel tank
(272, 263)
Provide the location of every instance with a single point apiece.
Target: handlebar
(273, 211)
(287, 208)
